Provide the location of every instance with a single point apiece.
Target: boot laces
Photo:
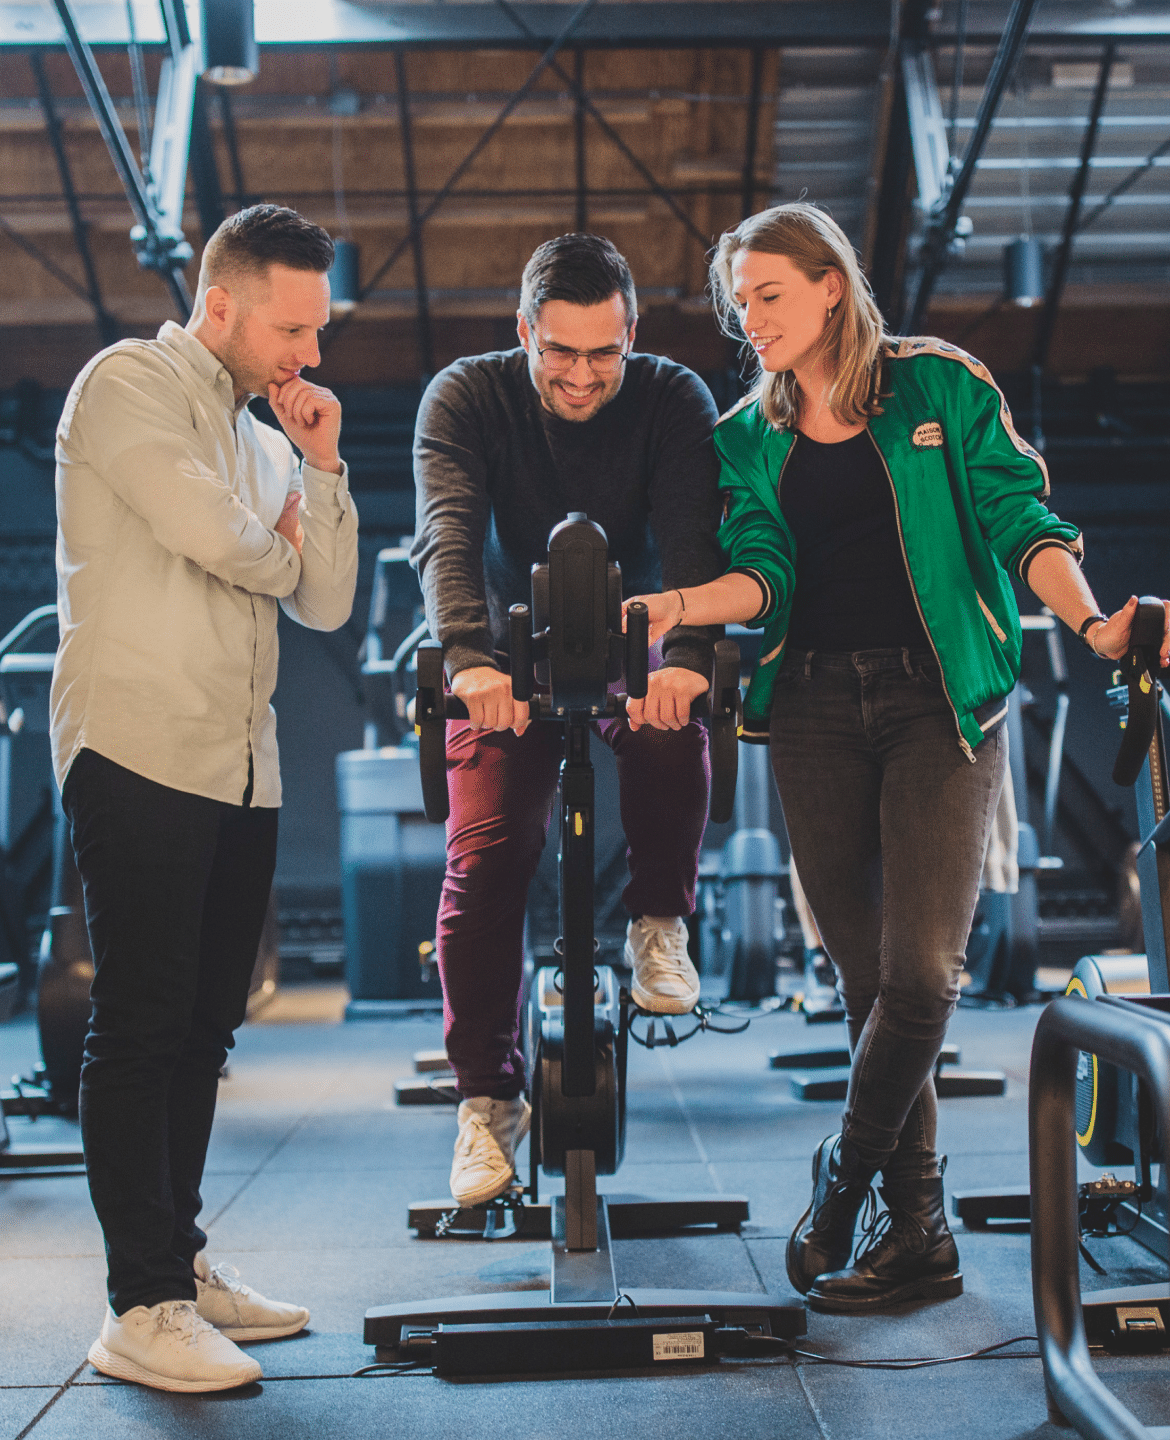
(845, 1191)
(891, 1226)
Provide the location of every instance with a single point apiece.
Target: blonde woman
(877, 503)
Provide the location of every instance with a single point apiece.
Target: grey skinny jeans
(888, 820)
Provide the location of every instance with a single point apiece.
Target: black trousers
(176, 889)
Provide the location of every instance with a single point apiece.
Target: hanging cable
(141, 93)
(957, 76)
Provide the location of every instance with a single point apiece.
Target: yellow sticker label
(578, 823)
(1145, 684)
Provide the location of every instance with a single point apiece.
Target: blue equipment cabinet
(392, 865)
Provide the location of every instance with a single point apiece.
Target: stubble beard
(243, 366)
(553, 401)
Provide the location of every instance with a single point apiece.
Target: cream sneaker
(665, 981)
(170, 1347)
(485, 1150)
(237, 1311)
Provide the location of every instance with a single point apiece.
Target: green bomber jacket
(969, 494)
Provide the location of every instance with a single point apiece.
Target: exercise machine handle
(1139, 671)
(520, 651)
(637, 649)
(430, 712)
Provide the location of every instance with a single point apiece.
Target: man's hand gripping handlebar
(434, 706)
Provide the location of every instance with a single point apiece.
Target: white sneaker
(485, 1151)
(237, 1311)
(665, 981)
(170, 1347)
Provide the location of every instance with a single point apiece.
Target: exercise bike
(578, 1023)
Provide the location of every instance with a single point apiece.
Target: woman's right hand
(665, 612)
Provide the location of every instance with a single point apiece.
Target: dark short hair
(262, 235)
(582, 269)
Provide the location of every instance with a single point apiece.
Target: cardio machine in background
(31, 819)
(578, 1029)
(392, 860)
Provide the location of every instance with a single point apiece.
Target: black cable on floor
(774, 1343)
(390, 1367)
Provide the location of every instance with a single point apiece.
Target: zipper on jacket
(779, 479)
(966, 748)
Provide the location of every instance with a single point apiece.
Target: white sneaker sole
(664, 1004)
(240, 1333)
(120, 1368)
(493, 1191)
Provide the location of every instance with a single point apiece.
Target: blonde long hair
(851, 342)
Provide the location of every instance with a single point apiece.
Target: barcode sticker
(687, 1345)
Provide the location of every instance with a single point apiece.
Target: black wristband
(1090, 620)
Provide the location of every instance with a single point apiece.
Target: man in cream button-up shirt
(168, 494)
(183, 523)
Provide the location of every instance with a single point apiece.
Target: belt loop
(808, 657)
(909, 669)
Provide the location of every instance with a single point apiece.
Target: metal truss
(944, 227)
(1072, 217)
(156, 198)
(584, 107)
(107, 325)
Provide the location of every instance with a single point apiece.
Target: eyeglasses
(559, 361)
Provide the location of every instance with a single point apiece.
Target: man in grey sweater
(505, 445)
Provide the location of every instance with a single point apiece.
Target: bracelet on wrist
(1086, 624)
(682, 614)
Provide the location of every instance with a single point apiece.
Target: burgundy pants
(501, 790)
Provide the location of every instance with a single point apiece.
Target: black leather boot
(823, 1237)
(910, 1254)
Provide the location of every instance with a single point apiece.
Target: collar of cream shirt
(203, 362)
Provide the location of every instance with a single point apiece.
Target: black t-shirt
(852, 587)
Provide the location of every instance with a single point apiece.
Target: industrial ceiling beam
(158, 207)
(1052, 298)
(751, 137)
(107, 325)
(414, 229)
(204, 170)
(706, 24)
(515, 13)
(943, 224)
(426, 343)
(889, 226)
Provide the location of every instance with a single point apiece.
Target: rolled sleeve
(323, 598)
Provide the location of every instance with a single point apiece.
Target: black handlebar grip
(520, 651)
(637, 649)
(1139, 669)
(724, 728)
(430, 726)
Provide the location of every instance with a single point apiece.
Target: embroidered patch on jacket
(927, 436)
